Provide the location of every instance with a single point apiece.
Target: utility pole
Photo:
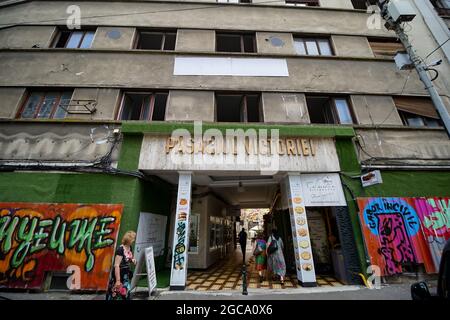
(419, 65)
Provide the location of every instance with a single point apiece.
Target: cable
(124, 14)
(437, 48)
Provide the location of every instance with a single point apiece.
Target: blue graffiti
(387, 206)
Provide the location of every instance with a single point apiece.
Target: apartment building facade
(88, 115)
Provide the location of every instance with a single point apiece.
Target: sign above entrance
(238, 150)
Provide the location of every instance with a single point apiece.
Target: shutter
(420, 106)
(386, 49)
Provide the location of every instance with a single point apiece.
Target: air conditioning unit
(401, 11)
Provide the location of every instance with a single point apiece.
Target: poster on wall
(300, 231)
(151, 232)
(181, 237)
(405, 231)
(38, 238)
(323, 190)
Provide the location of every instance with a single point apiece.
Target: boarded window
(386, 48)
(417, 112)
(144, 106)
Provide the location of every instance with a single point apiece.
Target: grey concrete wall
(352, 46)
(190, 105)
(414, 144)
(173, 15)
(375, 110)
(196, 40)
(10, 101)
(26, 36)
(114, 38)
(145, 70)
(107, 103)
(285, 107)
(274, 43)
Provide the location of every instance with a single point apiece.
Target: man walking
(243, 242)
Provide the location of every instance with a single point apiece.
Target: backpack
(273, 247)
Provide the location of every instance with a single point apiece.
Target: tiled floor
(226, 275)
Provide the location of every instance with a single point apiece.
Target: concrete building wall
(375, 110)
(26, 36)
(107, 103)
(285, 107)
(189, 40)
(10, 101)
(138, 70)
(348, 46)
(274, 43)
(342, 4)
(114, 38)
(220, 17)
(190, 105)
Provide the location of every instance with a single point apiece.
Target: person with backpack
(260, 256)
(276, 263)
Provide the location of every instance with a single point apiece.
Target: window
(234, 1)
(81, 39)
(144, 106)
(386, 48)
(363, 4)
(194, 233)
(313, 46)
(417, 112)
(332, 110)
(234, 42)
(156, 40)
(442, 7)
(238, 108)
(302, 3)
(46, 105)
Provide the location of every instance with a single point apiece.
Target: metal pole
(422, 71)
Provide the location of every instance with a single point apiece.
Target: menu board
(181, 234)
(300, 231)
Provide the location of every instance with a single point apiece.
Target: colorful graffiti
(180, 247)
(36, 239)
(405, 231)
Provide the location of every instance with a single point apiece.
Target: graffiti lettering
(32, 235)
(180, 248)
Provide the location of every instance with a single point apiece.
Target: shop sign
(181, 235)
(41, 238)
(323, 190)
(371, 178)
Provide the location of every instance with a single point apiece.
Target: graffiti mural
(38, 238)
(401, 232)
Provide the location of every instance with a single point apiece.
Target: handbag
(273, 247)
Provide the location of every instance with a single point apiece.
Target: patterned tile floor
(226, 275)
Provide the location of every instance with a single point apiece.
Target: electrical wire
(437, 48)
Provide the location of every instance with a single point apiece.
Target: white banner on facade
(151, 232)
(323, 190)
(300, 231)
(181, 233)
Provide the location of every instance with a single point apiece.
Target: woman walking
(120, 283)
(260, 256)
(276, 263)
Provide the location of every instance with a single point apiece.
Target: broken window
(313, 46)
(46, 105)
(234, 42)
(238, 107)
(81, 39)
(156, 40)
(417, 112)
(303, 3)
(386, 48)
(150, 106)
(331, 110)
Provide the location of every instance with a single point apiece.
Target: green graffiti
(34, 235)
